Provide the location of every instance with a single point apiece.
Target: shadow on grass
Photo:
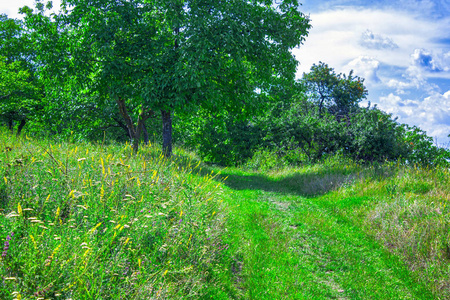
(310, 184)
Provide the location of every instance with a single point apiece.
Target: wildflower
(6, 245)
(5, 249)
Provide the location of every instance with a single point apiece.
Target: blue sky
(400, 47)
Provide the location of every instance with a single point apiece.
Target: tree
(20, 90)
(171, 55)
(338, 93)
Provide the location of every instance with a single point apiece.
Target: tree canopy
(166, 56)
(338, 93)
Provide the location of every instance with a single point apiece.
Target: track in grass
(294, 247)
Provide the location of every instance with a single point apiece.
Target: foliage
(294, 126)
(293, 121)
(375, 136)
(171, 55)
(17, 92)
(20, 89)
(105, 70)
(220, 138)
(339, 94)
(422, 150)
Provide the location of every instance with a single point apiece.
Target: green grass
(95, 222)
(342, 231)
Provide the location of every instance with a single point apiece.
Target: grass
(341, 231)
(95, 222)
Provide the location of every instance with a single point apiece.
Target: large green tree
(164, 56)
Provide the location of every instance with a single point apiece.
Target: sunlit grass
(331, 214)
(87, 222)
(408, 212)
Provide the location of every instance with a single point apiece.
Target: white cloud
(431, 114)
(365, 67)
(11, 7)
(412, 78)
(424, 64)
(425, 59)
(394, 104)
(376, 41)
(335, 37)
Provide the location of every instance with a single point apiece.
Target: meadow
(96, 221)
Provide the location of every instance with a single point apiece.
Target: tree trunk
(10, 125)
(134, 131)
(128, 122)
(124, 127)
(21, 125)
(167, 132)
(139, 128)
(145, 132)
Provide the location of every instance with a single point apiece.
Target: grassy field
(96, 222)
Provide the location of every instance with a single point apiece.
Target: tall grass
(96, 222)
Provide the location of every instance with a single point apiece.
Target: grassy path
(289, 246)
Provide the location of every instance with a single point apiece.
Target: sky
(400, 47)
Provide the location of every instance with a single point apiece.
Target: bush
(374, 136)
(422, 151)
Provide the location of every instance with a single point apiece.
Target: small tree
(338, 93)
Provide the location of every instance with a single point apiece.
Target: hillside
(83, 221)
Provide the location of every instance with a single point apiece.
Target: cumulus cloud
(412, 78)
(376, 41)
(431, 114)
(398, 107)
(437, 62)
(390, 36)
(366, 67)
(424, 59)
(424, 64)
